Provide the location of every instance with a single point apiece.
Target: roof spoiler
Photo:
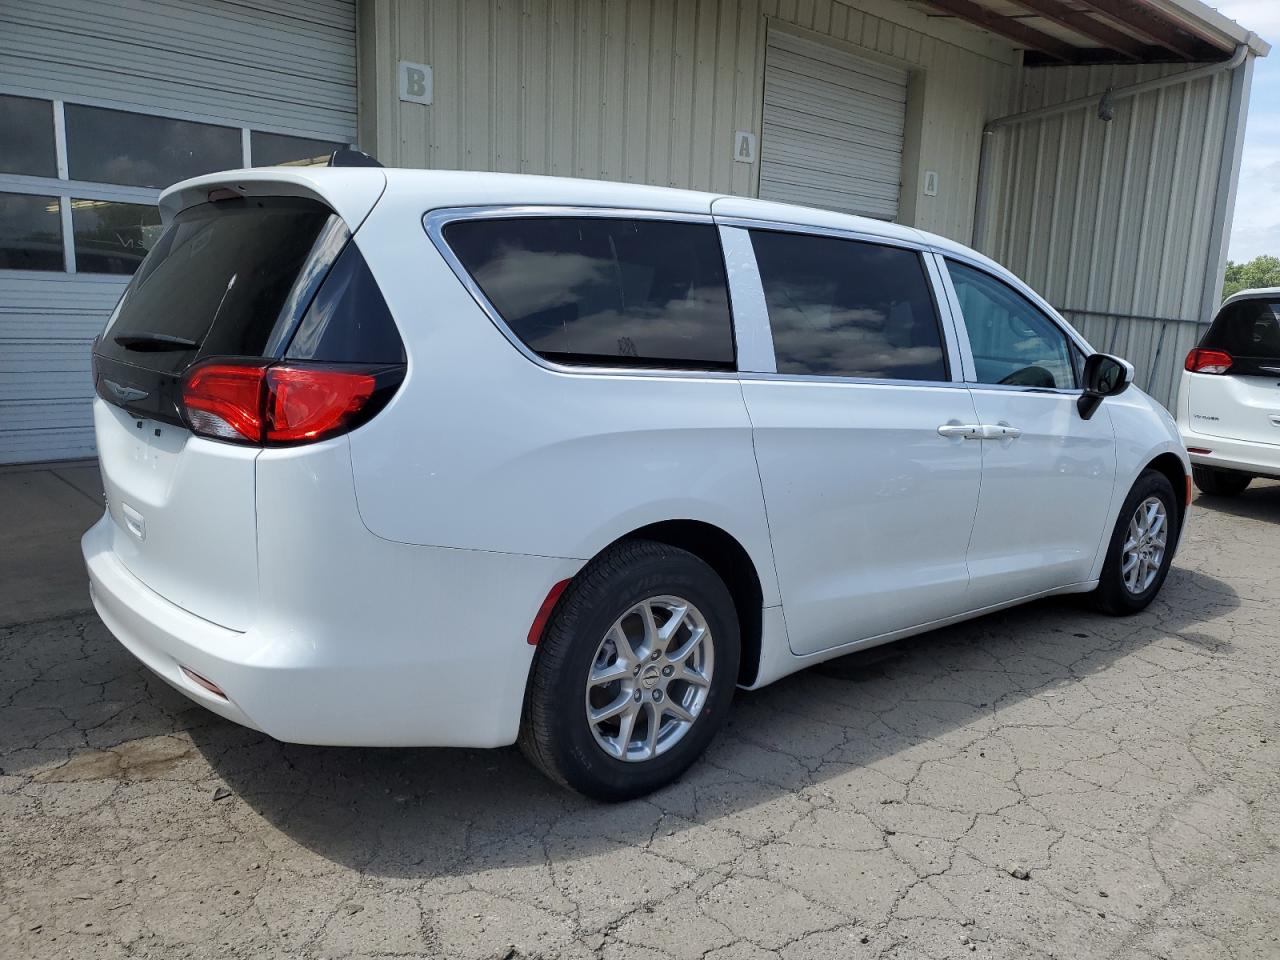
(346, 157)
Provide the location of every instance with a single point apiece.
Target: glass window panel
(112, 237)
(1013, 342)
(112, 146)
(277, 150)
(1247, 329)
(30, 232)
(844, 308)
(220, 275)
(26, 137)
(605, 291)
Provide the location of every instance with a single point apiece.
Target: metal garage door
(832, 132)
(102, 104)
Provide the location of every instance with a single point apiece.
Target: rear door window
(604, 291)
(1249, 330)
(845, 308)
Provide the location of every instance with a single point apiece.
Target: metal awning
(1105, 31)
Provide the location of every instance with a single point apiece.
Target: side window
(604, 291)
(1013, 342)
(844, 308)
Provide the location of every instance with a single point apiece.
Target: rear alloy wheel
(634, 672)
(1141, 547)
(1220, 483)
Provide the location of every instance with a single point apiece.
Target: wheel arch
(724, 554)
(1171, 466)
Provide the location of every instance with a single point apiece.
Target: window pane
(220, 275)
(26, 137)
(844, 308)
(277, 150)
(111, 146)
(30, 233)
(1248, 329)
(112, 237)
(604, 291)
(1013, 342)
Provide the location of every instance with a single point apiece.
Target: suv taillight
(1208, 361)
(285, 403)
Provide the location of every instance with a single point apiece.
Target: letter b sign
(415, 82)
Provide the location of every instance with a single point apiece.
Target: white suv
(422, 458)
(1229, 399)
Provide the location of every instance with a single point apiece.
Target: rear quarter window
(604, 291)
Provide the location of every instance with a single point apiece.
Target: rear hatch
(1242, 403)
(231, 277)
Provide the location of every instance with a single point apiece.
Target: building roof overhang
(1105, 31)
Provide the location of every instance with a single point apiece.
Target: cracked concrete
(874, 807)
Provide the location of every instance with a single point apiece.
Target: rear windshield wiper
(154, 342)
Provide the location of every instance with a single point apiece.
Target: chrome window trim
(839, 233)
(948, 318)
(434, 222)
(819, 378)
(751, 326)
(968, 368)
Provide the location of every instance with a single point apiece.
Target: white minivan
(402, 457)
(1229, 397)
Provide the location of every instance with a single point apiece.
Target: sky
(1255, 229)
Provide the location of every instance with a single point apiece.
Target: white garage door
(832, 132)
(102, 104)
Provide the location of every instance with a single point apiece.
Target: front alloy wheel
(1141, 547)
(1144, 545)
(634, 672)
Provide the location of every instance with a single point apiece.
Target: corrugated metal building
(976, 119)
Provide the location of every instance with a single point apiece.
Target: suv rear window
(218, 280)
(604, 291)
(1249, 330)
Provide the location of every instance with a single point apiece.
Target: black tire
(1112, 595)
(555, 734)
(1220, 483)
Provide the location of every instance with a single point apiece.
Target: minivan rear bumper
(339, 674)
(1262, 459)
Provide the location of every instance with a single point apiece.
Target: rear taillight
(289, 403)
(1208, 361)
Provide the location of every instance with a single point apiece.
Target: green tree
(1261, 271)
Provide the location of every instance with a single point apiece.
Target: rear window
(1248, 330)
(220, 279)
(604, 291)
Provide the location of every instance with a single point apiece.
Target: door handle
(969, 431)
(1000, 431)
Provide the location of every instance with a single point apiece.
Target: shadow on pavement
(416, 813)
(1261, 501)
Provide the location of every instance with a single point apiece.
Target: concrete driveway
(1045, 782)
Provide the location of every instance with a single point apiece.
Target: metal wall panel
(652, 91)
(284, 65)
(833, 128)
(1113, 221)
(287, 66)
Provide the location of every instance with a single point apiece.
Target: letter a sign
(744, 147)
(415, 82)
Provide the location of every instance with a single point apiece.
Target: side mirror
(1104, 376)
